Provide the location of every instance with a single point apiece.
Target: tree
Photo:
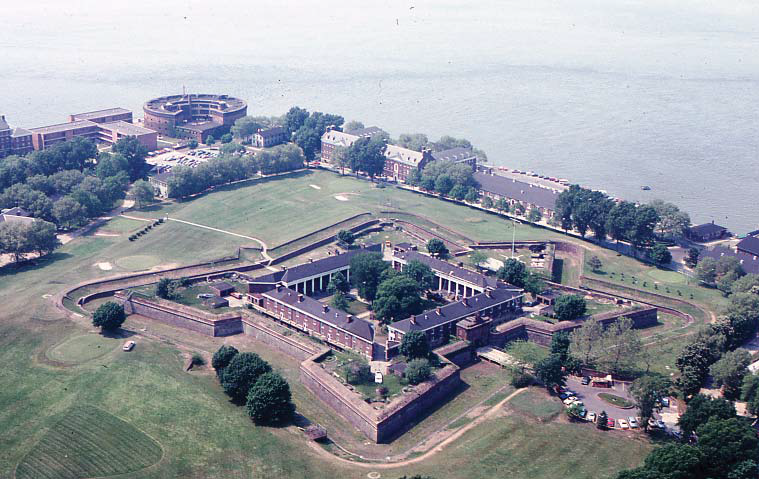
(550, 371)
(513, 272)
(534, 215)
(367, 155)
(444, 184)
(418, 370)
(746, 284)
(357, 372)
(700, 410)
(166, 288)
(397, 297)
(472, 195)
(585, 341)
(706, 271)
(339, 157)
(222, 357)
(245, 127)
(674, 461)
(437, 248)
(620, 220)
(646, 391)
(644, 221)
(339, 301)
(143, 193)
(726, 443)
(210, 140)
(692, 257)
(226, 138)
(134, 152)
(338, 283)
(345, 238)
(353, 125)
(41, 237)
(533, 283)
(502, 205)
(487, 202)
(269, 400)
(366, 273)
(730, 370)
(672, 222)
(241, 373)
(478, 257)
(421, 273)
(413, 141)
(750, 392)
(602, 420)
(295, 118)
(595, 263)
(660, 255)
(569, 307)
(621, 346)
(309, 140)
(414, 345)
(560, 345)
(109, 316)
(192, 144)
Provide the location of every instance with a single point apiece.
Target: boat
(645, 187)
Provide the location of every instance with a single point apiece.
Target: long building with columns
(451, 278)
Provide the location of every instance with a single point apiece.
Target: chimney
(310, 260)
(439, 311)
(461, 264)
(349, 318)
(300, 298)
(279, 288)
(465, 301)
(325, 308)
(412, 320)
(488, 293)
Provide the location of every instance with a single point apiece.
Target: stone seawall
(379, 425)
(176, 315)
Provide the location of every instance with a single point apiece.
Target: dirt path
(264, 247)
(493, 411)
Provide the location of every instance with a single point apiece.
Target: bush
(418, 370)
(357, 372)
(521, 380)
(222, 357)
(197, 359)
(269, 400)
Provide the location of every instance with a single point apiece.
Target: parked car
(664, 402)
(568, 401)
(633, 422)
(623, 424)
(128, 346)
(592, 416)
(610, 423)
(586, 380)
(583, 413)
(652, 423)
(563, 396)
(660, 424)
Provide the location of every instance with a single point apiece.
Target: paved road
(589, 395)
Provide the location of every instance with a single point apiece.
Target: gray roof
(163, 177)
(367, 132)
(60, 127)
(18, 132)
(445, 267)
(16, 211)
(100, 113)
(311, 307)
(200, 126)
(221, 286)
(517, 190)
(457, 311)
(750, 245)
(317, 267)
(749, 263)
(269, 132)
(455, 154)
(15, 219)
(707, 229)
(125, 128)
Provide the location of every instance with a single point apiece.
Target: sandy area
(104, 266)
(316, 187)
(341, 198)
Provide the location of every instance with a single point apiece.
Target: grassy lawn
(89, 442)
(616, 400)
(536, 404)
(200, 433)
(189, 295)
(121, 225)
(526, 352)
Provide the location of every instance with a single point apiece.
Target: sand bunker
(316, 187)
(341, 198)
(104, 266)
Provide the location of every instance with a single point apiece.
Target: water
(613, 95)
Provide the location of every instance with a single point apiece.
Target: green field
(536, 404)
(200, 433)
(89, 442)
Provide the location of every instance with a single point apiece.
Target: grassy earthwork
(58, 375)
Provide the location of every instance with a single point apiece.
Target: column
(440, 283)
(321, 283)
(449, 286)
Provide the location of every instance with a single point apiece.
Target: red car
(610, 423)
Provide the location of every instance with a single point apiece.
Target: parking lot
(191, 158)
(593, 403)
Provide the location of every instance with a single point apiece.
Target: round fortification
(193, 115)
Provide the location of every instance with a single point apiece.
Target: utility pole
(514, 222)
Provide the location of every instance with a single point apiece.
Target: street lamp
(514, 221)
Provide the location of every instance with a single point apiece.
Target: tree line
(447, 178)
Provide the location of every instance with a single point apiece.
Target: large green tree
(436, 247)
(398, 297)
(513, 272)
(134, 152)
(421, 273)
(222, 357)
(701, 409)
(550, 371)
(109, 316)
(646, 391)
(367, 155)
(269, 400)
(414, 345)
(241, 373)
(366, 273)
(569, 307)
(729, 371)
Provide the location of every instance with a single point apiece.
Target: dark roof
(216, 302)
(16, 211)
(456, 311)
(445, 267)
(367, 132)
(750, 245)
(749, 263)
(317, 267)
(517, 190)
(454, 154)
(707, 229)
(221, 286)
(200, 126)
(311, 307)
(269, 132)
(19, 132)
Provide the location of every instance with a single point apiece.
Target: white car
(128, 346)
(592, 416)
(623, 424)
(633, 422)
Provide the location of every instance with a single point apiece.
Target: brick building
(332, 326)
(517, 192)
(458, 155)
(14, 141)
(194, 116)
(400, 162)
(333, 138)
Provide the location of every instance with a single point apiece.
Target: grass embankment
(616, 400)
